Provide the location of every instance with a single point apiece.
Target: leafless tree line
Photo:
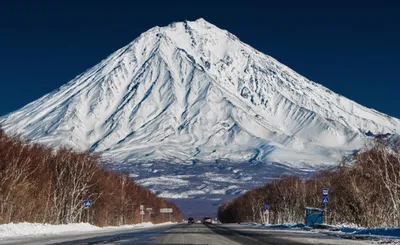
(364, 191)
(39, 184)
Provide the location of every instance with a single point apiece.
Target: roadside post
(168, 211)
(149, 210)
(325, 201)
(266, 214)
(86, 205)
(142, 212)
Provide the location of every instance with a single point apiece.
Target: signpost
(142, 212)
(325, 199)
(325, 196)
(168, 211)
(149, 210)
(266, 214)
(86, 205)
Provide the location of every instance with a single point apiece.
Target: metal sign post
(149, 210)
(325, 196)
(86, 205)
(325, 200)
(168, 211)
(266, 214)
(142, 212)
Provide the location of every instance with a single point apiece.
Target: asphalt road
(196, 234)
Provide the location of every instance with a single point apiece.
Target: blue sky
(352, 49)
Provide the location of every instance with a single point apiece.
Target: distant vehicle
(190, 220)
(207, 220)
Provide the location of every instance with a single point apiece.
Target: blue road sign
(325, 192)
(324, 200)
(87, 203)
(266, 207)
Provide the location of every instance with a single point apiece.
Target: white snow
(193, 91)
(380, 233)
(17, 230)
(384, 235)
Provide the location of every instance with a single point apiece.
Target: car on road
(190, 220)
(207, 220)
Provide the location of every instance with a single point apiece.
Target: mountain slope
(191, 91)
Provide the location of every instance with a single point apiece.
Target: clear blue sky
(353, 49)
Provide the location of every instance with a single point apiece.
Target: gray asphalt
(189, 234)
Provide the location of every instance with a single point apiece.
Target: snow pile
(29, 229)
(14, 230)
(285, 226)
(275, 226)
(388, 233)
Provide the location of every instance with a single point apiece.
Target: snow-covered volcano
(193, 92)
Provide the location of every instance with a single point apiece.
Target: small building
(314, 216)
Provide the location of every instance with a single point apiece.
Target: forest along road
(198, 234)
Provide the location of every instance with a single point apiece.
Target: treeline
(365, 191)
(39, 184)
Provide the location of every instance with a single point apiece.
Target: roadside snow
(389, 235)
(12, 230)
(276, 226)
(383, 235)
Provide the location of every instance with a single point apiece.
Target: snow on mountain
(191, 92)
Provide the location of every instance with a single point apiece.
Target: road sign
(141, 212)
(141, 207)
(165, 210)
(325, 192)
(266, 214)
(87, 203)
(324, 200)
(149, 211)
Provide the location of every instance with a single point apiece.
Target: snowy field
(21, 230)
(199, 188)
